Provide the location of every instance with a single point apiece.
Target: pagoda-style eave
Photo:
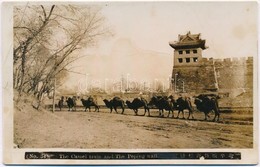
(200, 44)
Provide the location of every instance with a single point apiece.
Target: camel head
(107, 102)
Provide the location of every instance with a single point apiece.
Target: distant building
(188, 49)
(193, 73)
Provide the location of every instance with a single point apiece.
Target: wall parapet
(239, 60)
(223, 62)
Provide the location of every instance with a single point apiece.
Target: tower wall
(194, 55)
(196, 78)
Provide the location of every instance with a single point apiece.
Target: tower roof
(188, 41)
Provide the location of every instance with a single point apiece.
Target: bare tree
(47, 39)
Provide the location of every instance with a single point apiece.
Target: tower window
(195, 51)
(195, 59)
(180, 60)
(187, 51)
(187, 60)
(180, 52)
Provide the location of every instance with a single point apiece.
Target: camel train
(203, 103)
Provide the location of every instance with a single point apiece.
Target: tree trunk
(23, 59)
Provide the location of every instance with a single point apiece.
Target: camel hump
(91, 99)
(116, 98)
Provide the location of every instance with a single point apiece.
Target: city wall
(230, 76)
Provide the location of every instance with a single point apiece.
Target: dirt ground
(79, 129)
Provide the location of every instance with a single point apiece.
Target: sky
(142, 32)
(230, 28)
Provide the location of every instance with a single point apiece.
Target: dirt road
(63, 129)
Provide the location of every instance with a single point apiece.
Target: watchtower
(188, 49)
(191, 72)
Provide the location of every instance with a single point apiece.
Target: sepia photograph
(120, 82)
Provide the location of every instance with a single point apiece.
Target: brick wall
(231, 75)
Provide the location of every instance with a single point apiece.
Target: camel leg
(172, 113)
(189, 115)
(115, 109)
(205, 117)
(148, 112)
(168, 113)
(192, 116)
(135, 111)
(216, 114)
(162, 113)
(178, 114)
(96, 109)
(218, 117)
(146, 109)
(183, 114)
(111, 109)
